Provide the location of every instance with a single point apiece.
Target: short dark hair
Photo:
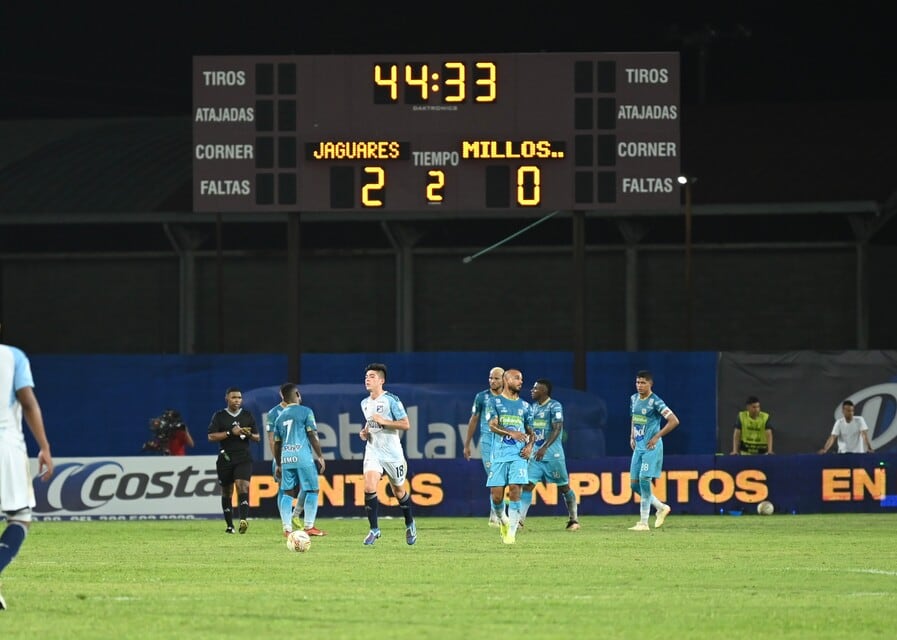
(231, 390)
(286, 388)
(545, 382)
(644, 373)
(377, 366)
(752, 400)
(847, 403)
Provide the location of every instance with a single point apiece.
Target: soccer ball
(765, 508)
(298, 541)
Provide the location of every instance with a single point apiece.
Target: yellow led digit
(435, 185)
(489, 82)
(421, 80)
(369, 191)
(390, 80)
(533, 173)
(456, 83)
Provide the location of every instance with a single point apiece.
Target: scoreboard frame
(425, 134)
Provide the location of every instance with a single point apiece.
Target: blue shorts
(647, 463)
(504, 473)
(305, 477)
(549, 471)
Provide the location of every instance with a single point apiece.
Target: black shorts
(229, 471)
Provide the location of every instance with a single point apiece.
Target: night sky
(137, 61)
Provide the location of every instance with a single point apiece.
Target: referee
(234, 429)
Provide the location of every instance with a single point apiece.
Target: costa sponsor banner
(138, 488)
(803, 391)
(438, 415)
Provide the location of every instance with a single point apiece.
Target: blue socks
(11, 542)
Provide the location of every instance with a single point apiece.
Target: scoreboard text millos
(418, 133)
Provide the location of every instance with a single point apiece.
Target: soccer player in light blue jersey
(512, 424)
(645, 439)
(479, 417)
(296, 449)
(270, 419)
(548, 464)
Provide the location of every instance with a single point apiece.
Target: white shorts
(395, 471)
(16, 490)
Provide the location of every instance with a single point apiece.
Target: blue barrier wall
(100, 405)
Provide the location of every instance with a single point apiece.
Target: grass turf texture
(784, 576)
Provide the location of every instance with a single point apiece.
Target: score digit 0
(529, 186)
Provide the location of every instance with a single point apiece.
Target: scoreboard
(436, 133)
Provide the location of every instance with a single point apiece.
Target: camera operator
(171, 435)
(179, 439)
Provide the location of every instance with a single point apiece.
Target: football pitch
(782, 576)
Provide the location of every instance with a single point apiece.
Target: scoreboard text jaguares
(418, 133)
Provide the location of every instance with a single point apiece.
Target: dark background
(135, 58)
(788, 117)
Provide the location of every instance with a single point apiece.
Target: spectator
(851, 432)
(753, 430)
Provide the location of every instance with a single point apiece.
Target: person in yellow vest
(753, 431)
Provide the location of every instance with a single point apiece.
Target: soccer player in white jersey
(16, 492)
(645, 439)
(385, 417)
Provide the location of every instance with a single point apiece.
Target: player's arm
(218, 433)
(316, 447)
(530, 436)
(556, 428)
(769, 450)
(471, 428)
(671, 423)
(35, 419)
(495, 427)
(828, 443)
(277, 449)
(736, 439)
(252, 431)
(865, 434)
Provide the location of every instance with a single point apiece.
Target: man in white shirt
(851, 432)
(17, 400)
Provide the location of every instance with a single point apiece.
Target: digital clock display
(448, 133)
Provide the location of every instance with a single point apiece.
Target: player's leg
(14, 535)
(397, 472)
(242, 474)
(635, 474)
(372, 473)
(299, 509)
(526, 500)
(496, 482)
(288, 490)
(518, 479)
(226, 480)
(486, 453)
(558, 473)
(655, 466)
(308, 480)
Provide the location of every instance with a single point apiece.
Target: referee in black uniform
(233, 429)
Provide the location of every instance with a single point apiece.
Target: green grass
(807, 576)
